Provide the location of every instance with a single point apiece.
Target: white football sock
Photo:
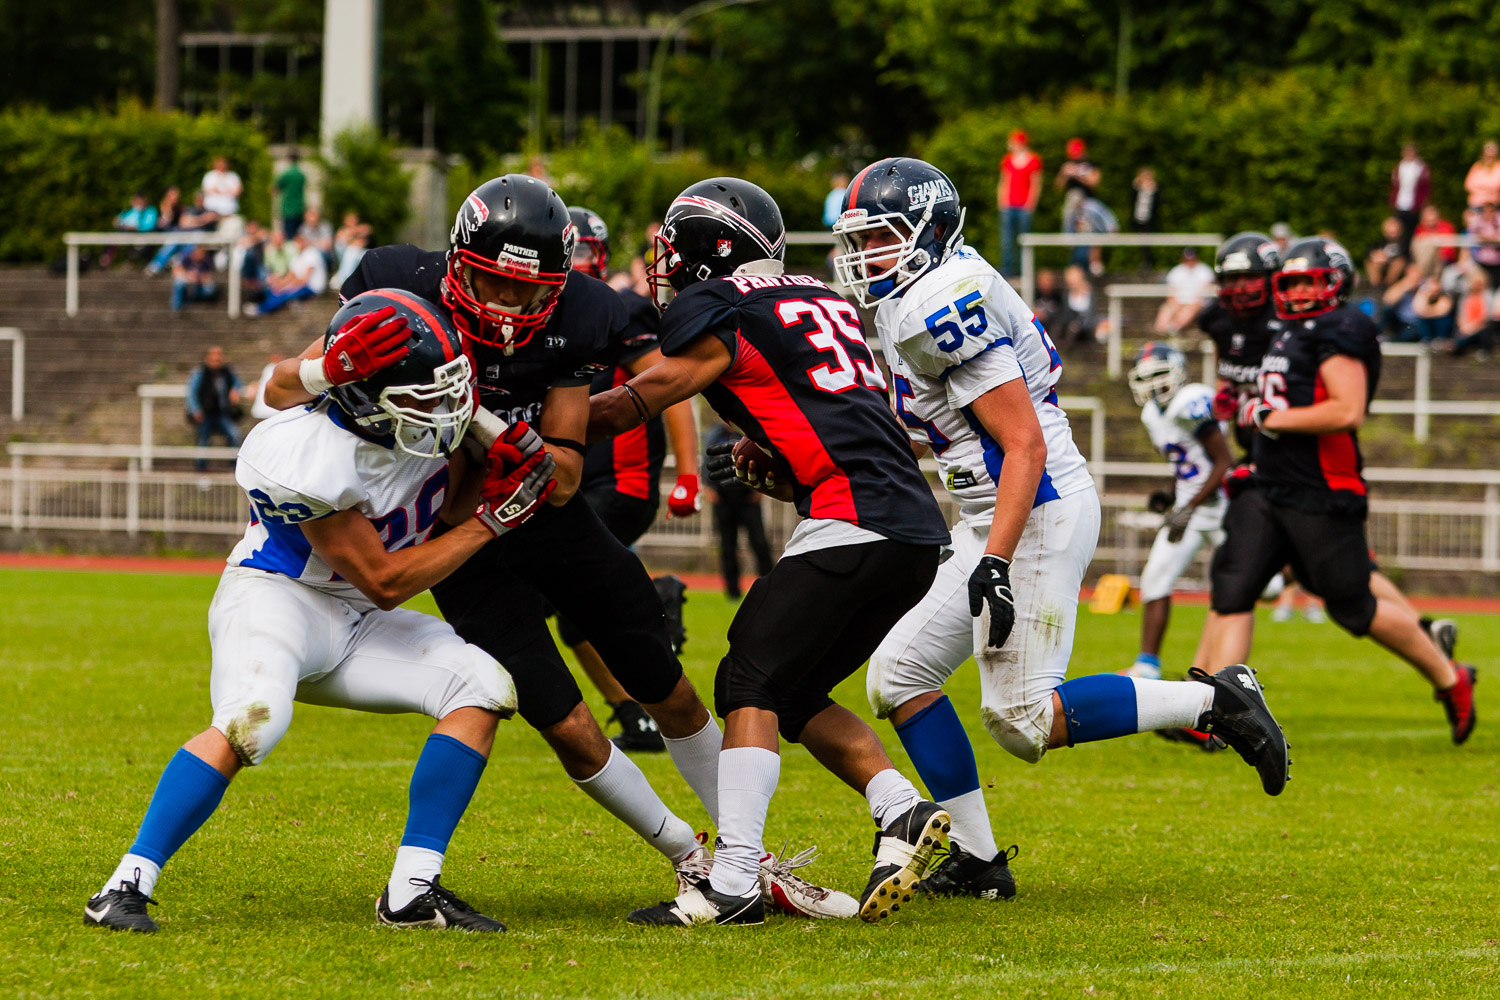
(697, 758)
(971, 824)
(622, 788)
(1165, 704)
(890, 795)
(412, 862)
(125, 872)
(747, 780)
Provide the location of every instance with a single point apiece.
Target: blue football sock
(940, 751)
(442, 784)
(1099, 707)
(187, 794)
(1150, 658)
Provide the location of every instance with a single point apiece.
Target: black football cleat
(638, 732)
(438, 907)
(1240, 717)
(1444, 632)
(122, 909)
(959, 873)
(673, 594)
(1458, 702)
(702, 905)
(1207, 742)
(903, 853)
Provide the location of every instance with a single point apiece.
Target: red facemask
(1302, 302)
(491, 325)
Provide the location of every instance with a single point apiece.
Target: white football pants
(1169, 560)
(1016, 680)
(276, 641)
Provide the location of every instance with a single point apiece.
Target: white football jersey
(1174, 431)
(303, 464)
(956, 333)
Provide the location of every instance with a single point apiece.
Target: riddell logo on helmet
(930, 191)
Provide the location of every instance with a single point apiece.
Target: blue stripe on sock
(1150, 658)
(187, 794)
(442, 784)
(1098, 707)
(940, 750)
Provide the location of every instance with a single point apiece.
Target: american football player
(344, 495)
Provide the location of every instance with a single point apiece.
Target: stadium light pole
(659, 61)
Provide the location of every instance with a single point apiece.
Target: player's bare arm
(682, 429)
(1343, 409)
(1006, 411)
(1217, 446)
(351, 547)
(284, 389)
(564, 420)
(659, 387)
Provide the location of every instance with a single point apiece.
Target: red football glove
(1226, 401)
(508, 500)
(365, 345)
(1253, 413)
(683, 500)
(512, 448)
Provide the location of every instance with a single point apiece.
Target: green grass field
(1146, 868)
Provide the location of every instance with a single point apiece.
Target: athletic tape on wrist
(310, 371)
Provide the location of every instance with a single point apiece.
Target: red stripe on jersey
(1336, 453)
(631, 454)
(419, 307)
(752, 379)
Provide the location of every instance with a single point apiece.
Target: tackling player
(975, 376)
(783, 358)
(1179, 417)
(343, 496)
(622, 478)
(1305, 504)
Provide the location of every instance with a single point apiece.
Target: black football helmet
(903, 197)
(591, 250)
(1244, 265)
(1160, 370)
(514, 228)
(711, 230)
(1315, 277)
(425, 400)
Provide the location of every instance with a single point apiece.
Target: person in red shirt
(1431, 223)
(1017, 195)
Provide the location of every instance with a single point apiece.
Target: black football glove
(990, 582)
(1159, 502)
(1176, 523)
(719, 464)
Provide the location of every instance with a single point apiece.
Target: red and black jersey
(804, 384)
(1240, 343)
(570, 350)
(1315, 472)
(629, 463)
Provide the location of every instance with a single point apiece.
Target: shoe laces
(782, 869)
(134, 900)
(443, 893)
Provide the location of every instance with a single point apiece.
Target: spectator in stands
(193, 277)
(1478, 316)
(307, 277)
(195, 218)
(221, 189)
(833, 202)
(291, 185)
(1386, 261)
(1145, 211)
(1434, 311)
(736, 507)
(138, 217)
(1411, 184)
(1484, 226)
(319, 233)
(349, 246)
(1093, 216)
(1019, 190)
(1398, 311)
(1425, 255)
(1190, 287)
(1079, 320)
(1282, 236)
(1047, 302)
(277, 254)
(252, 248)
(1483, 181)
(169, 213)
(213, 401)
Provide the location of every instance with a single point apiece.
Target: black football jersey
(629, 463)
(575, 345)
(1322, 472)
(1240, 344)
(804, 384)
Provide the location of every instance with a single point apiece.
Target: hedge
(77, 171)
(1311, 148)
(363, 176)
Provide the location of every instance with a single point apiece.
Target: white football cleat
(694, 870)
(793, 895)
(1144, 670)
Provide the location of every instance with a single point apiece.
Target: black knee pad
(1354, 614)
(739, 684)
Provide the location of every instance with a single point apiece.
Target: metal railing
(1118, 293)
(1030, 241)
(113, 239)
(17, 370)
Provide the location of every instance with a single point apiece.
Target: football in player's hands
(754, 466)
